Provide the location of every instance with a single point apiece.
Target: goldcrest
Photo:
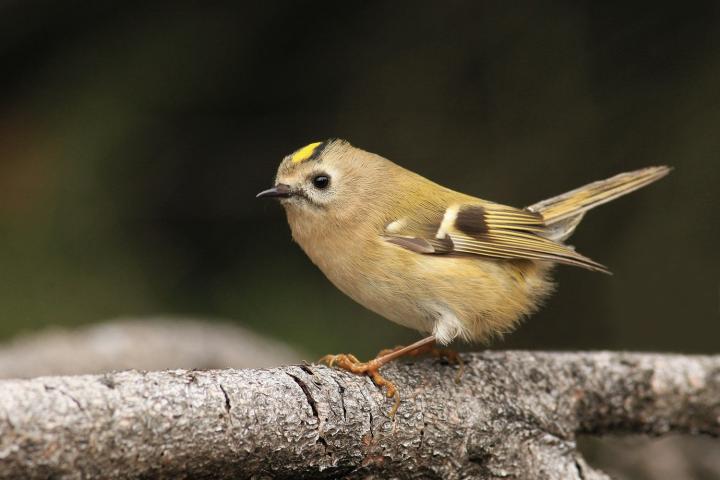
(447, 264)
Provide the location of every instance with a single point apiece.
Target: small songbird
(449, 265)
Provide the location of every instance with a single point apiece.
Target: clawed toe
(452, 357)
(350, 363)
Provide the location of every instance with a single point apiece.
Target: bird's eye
(321, 181)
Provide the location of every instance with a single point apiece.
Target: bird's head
(330, 179)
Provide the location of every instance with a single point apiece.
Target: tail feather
(576, 202)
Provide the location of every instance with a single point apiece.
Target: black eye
(321, 181)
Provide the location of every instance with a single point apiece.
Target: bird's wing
(485, 229)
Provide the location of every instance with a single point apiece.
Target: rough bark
(512, 415)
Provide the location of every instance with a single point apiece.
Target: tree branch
(513, 414)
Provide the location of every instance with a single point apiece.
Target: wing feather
(484, 229)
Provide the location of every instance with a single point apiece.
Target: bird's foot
(350, 363)
(453, 358)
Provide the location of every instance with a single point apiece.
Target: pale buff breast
(360, 268)
(450, 296)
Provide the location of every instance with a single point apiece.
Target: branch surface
(513, 415)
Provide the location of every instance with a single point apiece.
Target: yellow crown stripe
(304, 153)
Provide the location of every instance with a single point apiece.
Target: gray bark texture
(512, 415)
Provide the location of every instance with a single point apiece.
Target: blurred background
(134, 136)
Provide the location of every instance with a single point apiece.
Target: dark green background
(134, 135)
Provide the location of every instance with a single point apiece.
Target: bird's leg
(350, 363)
(430, 348)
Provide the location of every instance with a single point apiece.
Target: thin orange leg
(350, 363)
(450, 355)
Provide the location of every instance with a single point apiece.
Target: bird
(449, 265)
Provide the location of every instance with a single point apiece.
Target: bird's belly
(388, 289)
(451, 296)
(388, 294)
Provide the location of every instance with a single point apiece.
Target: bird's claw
(350, 363)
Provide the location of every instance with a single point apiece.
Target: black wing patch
(471, 220)
(488, 230)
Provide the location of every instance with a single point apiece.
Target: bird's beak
(278, 191)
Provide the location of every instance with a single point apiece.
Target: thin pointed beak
(278, 191)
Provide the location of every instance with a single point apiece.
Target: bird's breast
(369, 270)
(483, 296)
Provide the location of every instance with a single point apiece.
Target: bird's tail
(564, 212)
